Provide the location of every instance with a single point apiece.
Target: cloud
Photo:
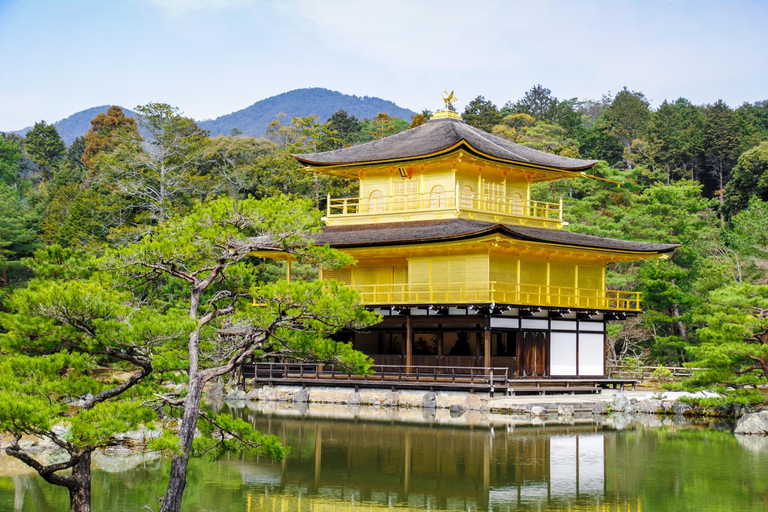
(178, 7)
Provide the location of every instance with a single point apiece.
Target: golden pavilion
(464, 267)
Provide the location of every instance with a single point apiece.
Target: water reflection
(475, 463)
(377, 459)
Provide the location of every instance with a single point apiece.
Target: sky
(212, 57)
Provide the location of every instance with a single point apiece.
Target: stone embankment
(631, 402)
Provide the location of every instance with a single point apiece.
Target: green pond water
(344, 459)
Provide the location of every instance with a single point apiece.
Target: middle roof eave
(419, 232)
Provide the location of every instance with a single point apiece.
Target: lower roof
(419, 232)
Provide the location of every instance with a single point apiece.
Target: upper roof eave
(438, 137)
(461, 145)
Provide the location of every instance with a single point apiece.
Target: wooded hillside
(696, 175)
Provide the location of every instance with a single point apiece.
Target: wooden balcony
(485, 207)
(499, 293)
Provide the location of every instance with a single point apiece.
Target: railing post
(561, 209)
(458, 191)
(344, 209)
(328, 206)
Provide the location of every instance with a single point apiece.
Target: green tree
(721, 140)
(748, 237)
(734, 336)
(18, 234)
(627, 119)
(677, 129)
(162, 174)
(236, 160)
(204, 255)
(62, 332)
(748, 179)
(482, 114)
(340, 130)
(10, 158)
(75, 152)
(44, 147)
(539, 103)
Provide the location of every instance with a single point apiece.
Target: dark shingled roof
(435, 136)
(402, 233)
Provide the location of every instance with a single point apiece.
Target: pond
(344, 459)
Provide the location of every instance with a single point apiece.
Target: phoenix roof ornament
(449, 99)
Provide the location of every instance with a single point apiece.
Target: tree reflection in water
(376, 459)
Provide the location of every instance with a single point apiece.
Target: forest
(696, 175)
(127, 253)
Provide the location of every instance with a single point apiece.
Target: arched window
(466, 197)
(376, 201)
(437, 197)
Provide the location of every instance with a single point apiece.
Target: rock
(473, 403)
(565, 410)
(269, 394)
(392, 399)
(600, 408)
(301, 396)
(61, 430)
(649, 406)
(140, 435)
(755, 423)
(429, 400)
(681, 408)
(667, 406)
(355, 399)
(620, 402)
(537, 410)
(252, 395)
(215, 390)
(236, 395)
(456, 410)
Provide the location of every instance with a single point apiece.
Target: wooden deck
(434, 378)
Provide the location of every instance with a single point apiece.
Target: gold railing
(500, 293)
(407, 203)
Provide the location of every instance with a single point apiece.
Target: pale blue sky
(211, 57)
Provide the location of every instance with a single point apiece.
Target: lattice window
(493, 195)
(343, 275)
(466, 197)
(406, 194)
(516, 203)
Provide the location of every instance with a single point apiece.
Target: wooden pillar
(439, 345)
(487, 348)
(408, 344)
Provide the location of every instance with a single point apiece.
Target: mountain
(301, 102)
(254, 119)
(77, 124)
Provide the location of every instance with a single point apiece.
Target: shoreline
(609, 400)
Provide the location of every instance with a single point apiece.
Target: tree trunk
(80, 490)
(178, 480)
